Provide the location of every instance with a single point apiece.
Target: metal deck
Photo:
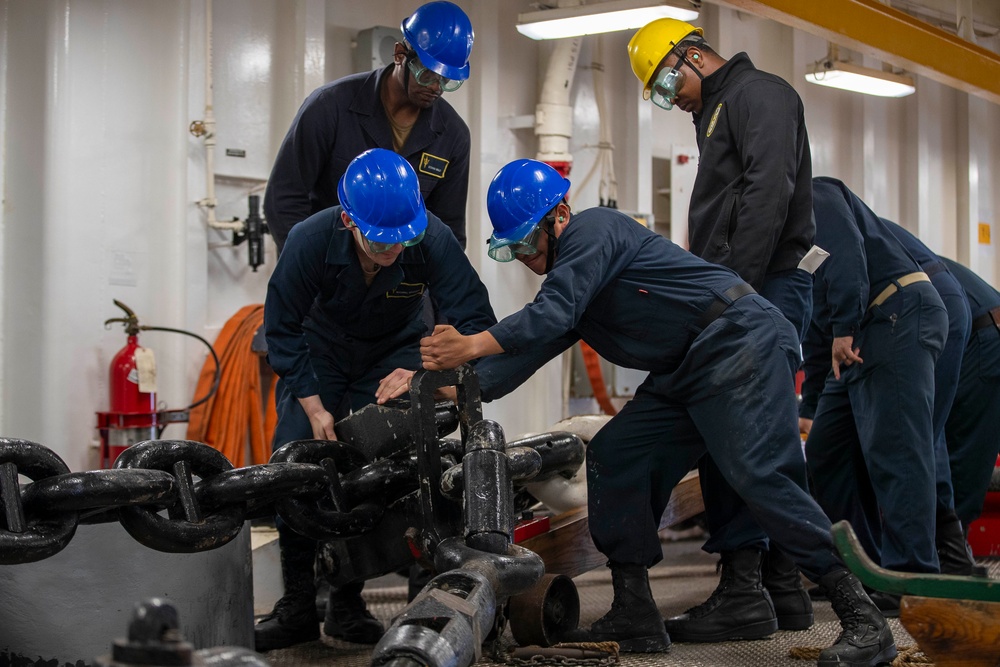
(685, 578)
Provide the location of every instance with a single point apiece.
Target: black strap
(721, 303)
(990, 318)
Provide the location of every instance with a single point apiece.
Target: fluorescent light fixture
(599, 17)
(848, 76)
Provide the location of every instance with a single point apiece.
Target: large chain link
(328, 515)
(181, 496)
(187, 527)
(30, 536)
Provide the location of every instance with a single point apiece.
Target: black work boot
(293, 619)
(634, 621)
(866, 639)
(322, 595)
(887, 603)
(783, 582)
(739, 608)
(348, 618)
(817, 594)
(952, 547)
(978, 570)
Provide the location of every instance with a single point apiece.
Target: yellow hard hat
(651, 43)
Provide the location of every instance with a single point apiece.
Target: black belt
(990, 318)
(721, 303)
(934, 268)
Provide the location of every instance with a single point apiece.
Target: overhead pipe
(206, 128)
(553, 113)
(605, 156)
(554, 128)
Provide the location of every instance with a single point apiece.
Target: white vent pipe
(553, 114)
(206, 128)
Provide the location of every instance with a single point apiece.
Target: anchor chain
(181, 496)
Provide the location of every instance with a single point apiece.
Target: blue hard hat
(520, 195)
(441, 34)
(381, 194)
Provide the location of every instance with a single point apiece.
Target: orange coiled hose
(241, 415)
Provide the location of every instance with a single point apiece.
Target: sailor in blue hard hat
(399, 108)
(344, 312)
(380, 198)
(712, 348)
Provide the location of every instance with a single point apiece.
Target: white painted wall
(99, 173)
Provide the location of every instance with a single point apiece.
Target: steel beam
(880, 31)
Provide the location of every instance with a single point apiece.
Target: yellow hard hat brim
(644, 47)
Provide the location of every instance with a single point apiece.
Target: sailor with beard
(397, 108)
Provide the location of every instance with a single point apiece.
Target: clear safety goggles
(377, 247)
(665, 88)
(426, 77)
(510, 250)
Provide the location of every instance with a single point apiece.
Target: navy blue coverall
(330, 334)
(871, 449)
(341, 120)
(949, 363)
(751, 211)
(644, 303)
(971, 429)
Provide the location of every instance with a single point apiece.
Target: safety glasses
(665, 88)
(509, 250)
(426, 77)
(377, 247)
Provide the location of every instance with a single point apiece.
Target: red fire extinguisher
(133, 416)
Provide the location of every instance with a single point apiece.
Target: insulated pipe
(553, 114)
(207, 128)
(605, 162)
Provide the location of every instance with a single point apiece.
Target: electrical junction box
(373, 48)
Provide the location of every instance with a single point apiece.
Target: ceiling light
(837, 73)
(599, 17)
